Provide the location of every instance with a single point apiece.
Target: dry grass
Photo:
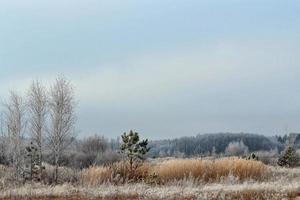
(66, 175)
(199, 170)
(6, 177)
(96, 175)
(247, 191)
(210, 170)
(185, 179)
(117, 173)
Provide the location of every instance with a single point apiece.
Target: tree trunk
(40, 163)
(56, 170)
(131, 164)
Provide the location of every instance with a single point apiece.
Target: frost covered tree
(93, 147)
(37, 107)
(15, 121)
(62, 119)
(290, 158)
(3, 142)
(236, 149)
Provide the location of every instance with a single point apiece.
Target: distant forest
(207, 144)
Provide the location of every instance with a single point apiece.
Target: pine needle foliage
(134, 149)
(290, 158)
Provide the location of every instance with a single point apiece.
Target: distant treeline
(98, 150)
(206, 144)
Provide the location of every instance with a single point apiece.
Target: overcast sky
(165, 68)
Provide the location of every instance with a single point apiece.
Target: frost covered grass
(95, 175)
(178, 169)
(251, 190)
(227, 178)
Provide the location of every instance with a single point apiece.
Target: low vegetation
(179, 179)
(210, 170)
(178, 169)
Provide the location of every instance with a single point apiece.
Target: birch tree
(37, 106)
(62, 119)
(15, 121)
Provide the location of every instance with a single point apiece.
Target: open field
(254, 190)
(175, 179)
(149, 100)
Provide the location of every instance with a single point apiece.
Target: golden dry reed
(210, 170)
(96, 175)
(179, 169)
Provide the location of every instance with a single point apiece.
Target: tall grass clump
(117, 173)
(210, 170)
(177, 169)
(95, 175)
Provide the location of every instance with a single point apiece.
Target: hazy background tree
(90, 151)
(37, 107)
(94, 144)
(236, 149)
(15, 122)
(93, 147)
(289, 158)
(62, 119)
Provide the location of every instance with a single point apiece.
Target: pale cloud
(147, 76)
(226, 86)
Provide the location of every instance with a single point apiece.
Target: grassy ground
(141, 191)
(185, 179)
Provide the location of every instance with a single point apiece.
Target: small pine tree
(252, 156)
(31, 161)
(133, 148)
(290, 158)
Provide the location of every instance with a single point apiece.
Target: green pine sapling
(134, 149)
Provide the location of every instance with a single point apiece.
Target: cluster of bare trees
(45, 117)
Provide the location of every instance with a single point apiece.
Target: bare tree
(15, 121)
(94, 144)
(3, 142)
(37, 105)
(93, 147)
(236, 148)
(62, 119)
